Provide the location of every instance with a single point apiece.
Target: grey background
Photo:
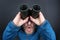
(50, 9)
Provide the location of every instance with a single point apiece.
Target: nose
(29, 22)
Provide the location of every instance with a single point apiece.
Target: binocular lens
(36, 8)
(23, 7)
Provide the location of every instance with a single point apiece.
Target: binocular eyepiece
(26, 12)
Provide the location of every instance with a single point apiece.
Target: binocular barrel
(35, 11)
(25, 11)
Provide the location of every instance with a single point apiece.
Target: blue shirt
(43, 31)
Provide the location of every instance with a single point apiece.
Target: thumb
(32, 19)
(26, 20)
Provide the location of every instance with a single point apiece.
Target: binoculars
(26, 12)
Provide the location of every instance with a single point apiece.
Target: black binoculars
(26, 12)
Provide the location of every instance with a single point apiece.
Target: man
(26, 29)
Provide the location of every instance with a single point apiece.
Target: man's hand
(18, 21)
(39, 20)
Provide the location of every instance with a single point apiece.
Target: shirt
(43, 32)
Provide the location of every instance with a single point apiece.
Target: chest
(23, 36)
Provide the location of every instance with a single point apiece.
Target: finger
(39, 14)
(32, 19)
(17, 18)
(41, 17)
(26, 20)
(20, 14)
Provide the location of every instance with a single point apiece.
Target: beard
(29, 29)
